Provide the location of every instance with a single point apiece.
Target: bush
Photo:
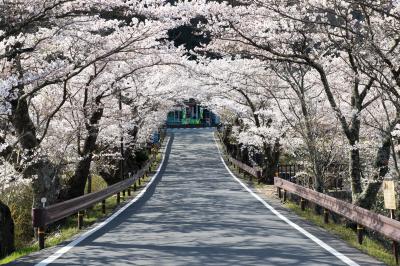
(18, 198)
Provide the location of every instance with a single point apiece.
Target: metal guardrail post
(326, 216)
(41, 237)
(118, 198)
(395, 245)
(38, 221)
(134, 186)
(360, 234)
(103, 206)
(279, 192)
(284, 196)
(80, 219)
(396, 252)
(302, 204)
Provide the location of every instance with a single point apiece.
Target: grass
(19, 253)
(369, 246)
(64, 232)
(69, 229)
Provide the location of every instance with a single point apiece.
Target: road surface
(198, 214)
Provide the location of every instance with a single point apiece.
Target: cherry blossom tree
(84, 84)
(239, 87)
(324, 35)
(63, 54)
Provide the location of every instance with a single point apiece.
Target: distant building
(192, 114)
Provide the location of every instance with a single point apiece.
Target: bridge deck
(199, 215)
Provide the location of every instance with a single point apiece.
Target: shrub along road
(196, 213)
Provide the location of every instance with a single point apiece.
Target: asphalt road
(196, 213)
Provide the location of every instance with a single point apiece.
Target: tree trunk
(110, 178)
(310, 141)
(368, 197)
(6, 231)
(271, 161)
(46, 181)
(355, 172)
(113, 175)
(75, 186)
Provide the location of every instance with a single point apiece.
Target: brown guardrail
(67, 208)
(256, 172)
(376, 222)
(386, 226)
(41, 217)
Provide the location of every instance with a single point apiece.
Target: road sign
(389, 194)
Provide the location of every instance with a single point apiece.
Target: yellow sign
(389, 195)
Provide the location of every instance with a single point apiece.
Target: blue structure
(155, 138)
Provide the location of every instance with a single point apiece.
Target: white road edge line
(325, 246)
(85, 235)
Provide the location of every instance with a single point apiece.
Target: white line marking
(328, 248)
(85, 235)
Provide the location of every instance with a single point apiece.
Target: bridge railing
(41, 217)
